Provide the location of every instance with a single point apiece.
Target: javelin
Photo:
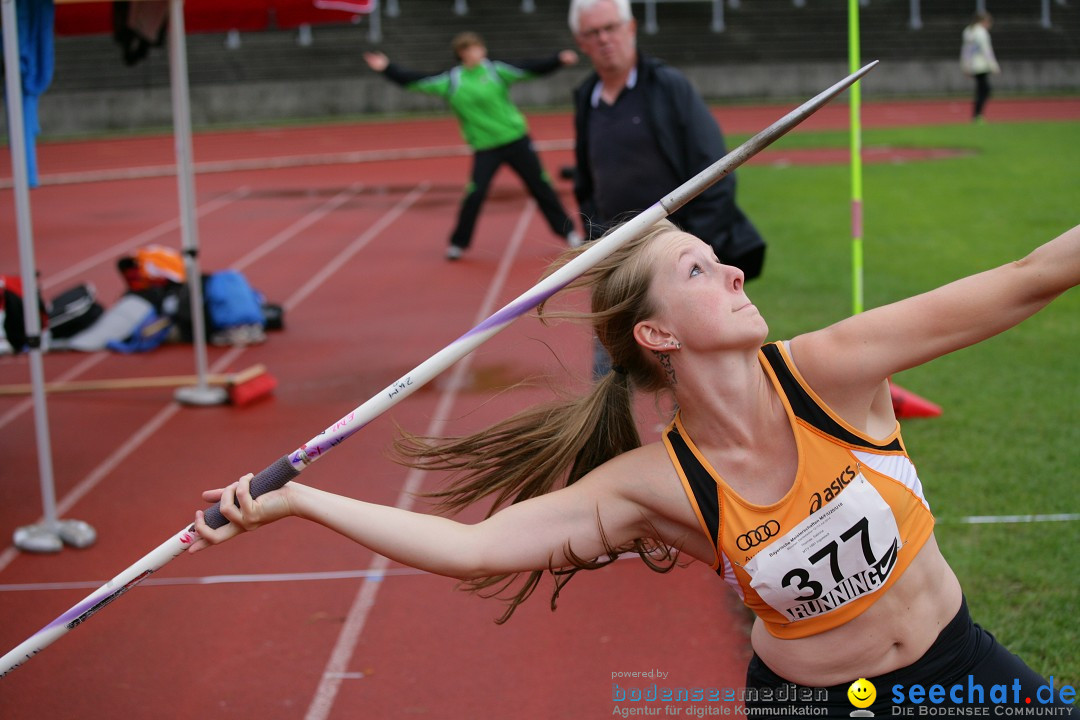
(289, 466)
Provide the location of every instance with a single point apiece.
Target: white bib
(844, 551)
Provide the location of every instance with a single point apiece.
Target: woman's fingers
(244, 499)
(212, 496)
(236, 505)
(210, 536)
(227, 504)
(243, 512)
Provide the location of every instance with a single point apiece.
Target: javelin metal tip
(867, 67)
(725, 165)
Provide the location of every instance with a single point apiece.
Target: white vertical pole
(375, 22)
(915, 20)
(651, 26)
(48, 536)
(27, 269)
(202, 393)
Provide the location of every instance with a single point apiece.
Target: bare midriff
(892, 633)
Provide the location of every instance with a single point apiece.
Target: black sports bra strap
(808, 410)
(706, 492)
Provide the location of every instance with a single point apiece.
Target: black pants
(522, 158)
(982, 93)
(972, 669)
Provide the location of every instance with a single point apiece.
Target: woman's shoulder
(647, 456)
(636, 471)
(648, 480)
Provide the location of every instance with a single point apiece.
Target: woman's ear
(652, 337)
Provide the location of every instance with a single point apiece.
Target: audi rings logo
(758, 535)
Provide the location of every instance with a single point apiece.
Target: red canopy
(93, 18)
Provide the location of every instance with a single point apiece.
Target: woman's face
(700, 302)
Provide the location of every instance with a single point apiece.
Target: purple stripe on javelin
(512, 311)
(81, 612)
(73, 613)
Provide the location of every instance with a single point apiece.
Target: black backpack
(74, 310)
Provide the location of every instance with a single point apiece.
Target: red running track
(294, 622)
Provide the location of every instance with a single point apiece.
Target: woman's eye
(696, 270)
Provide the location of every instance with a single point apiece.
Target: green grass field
(1008, 441)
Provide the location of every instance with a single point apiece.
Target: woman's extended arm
(863, 350)
(531, 535)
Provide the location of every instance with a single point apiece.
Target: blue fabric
(36, 65)
(231, 301)
(148, 335)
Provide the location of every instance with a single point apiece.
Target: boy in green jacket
(478, 92)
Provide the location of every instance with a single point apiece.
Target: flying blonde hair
(554, 444)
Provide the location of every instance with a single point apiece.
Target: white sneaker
(575, 239)
(454, 252)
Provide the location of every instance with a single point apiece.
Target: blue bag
(231, 301)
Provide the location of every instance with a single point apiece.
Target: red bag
(11, 310)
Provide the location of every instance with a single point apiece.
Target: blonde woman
(783, 470)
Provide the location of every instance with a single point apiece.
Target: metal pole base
(202, 395)
(51, 538)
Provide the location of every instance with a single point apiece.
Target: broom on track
(288, 467)
(243, 387)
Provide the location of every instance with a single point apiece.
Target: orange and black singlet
(851, 523)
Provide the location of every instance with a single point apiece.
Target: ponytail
(527, 454)
(557, 443)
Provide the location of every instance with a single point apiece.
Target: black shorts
(965, 673)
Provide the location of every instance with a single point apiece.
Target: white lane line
(323, 701)
(72, 373)
(999, 519)
(110, 254)
(128, 446)
(273, 163)
(321, 576)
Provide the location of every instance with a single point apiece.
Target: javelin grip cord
(272, 477)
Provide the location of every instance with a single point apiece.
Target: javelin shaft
(288, 467)
(98, 599)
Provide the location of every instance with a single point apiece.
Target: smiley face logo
(862, 693)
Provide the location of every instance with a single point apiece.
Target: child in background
(478, 92)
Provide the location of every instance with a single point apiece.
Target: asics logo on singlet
(758, 535)
(833, 489)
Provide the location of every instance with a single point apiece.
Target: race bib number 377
(844, 551)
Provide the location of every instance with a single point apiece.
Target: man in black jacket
(642, 130)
